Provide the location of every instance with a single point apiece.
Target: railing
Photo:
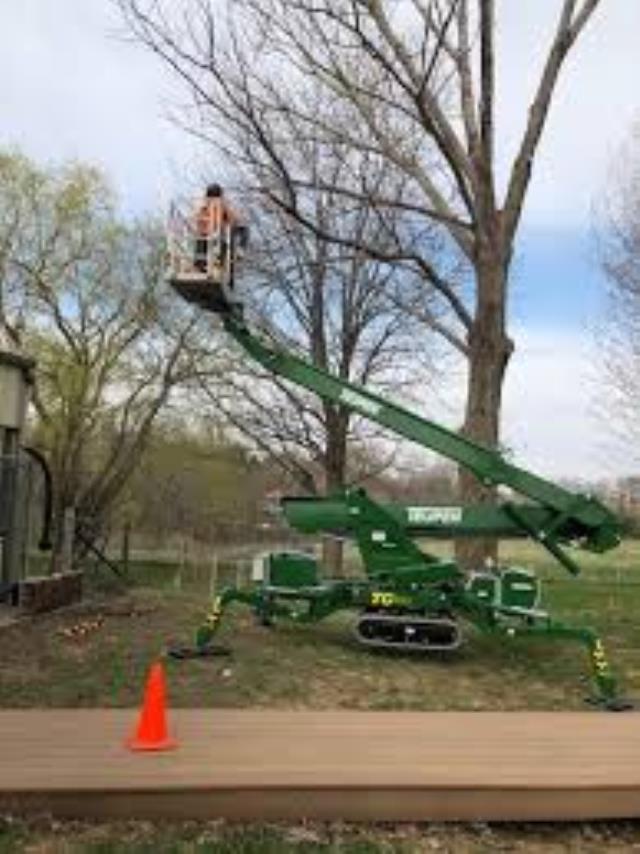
(193, 255)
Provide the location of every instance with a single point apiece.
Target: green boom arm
(568, 518)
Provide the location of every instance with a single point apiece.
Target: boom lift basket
(201, 267)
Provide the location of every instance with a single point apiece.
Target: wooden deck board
(261, 764)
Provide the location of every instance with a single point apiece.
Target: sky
(74, 87)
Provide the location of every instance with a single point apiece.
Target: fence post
(241, 571)
(177, 580)
(213, 576)
(126, 546)
(183, 553)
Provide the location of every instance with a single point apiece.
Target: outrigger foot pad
(185, 652)
(620, 705)
(615, 704)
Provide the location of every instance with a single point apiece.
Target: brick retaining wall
(46, 593)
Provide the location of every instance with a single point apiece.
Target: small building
(16, 381)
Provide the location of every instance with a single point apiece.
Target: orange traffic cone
(152, 733)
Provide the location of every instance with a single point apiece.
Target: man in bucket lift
(218, 234)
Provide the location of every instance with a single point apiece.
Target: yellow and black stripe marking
(600, 663)
(213, 617)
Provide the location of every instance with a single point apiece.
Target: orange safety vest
(213, 215)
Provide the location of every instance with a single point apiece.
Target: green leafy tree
(83, 292)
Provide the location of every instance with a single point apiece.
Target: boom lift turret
(408, 599)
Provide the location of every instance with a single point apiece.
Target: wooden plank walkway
(391, 766)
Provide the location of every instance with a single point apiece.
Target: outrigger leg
(605, 694)
(204, 646)
(206, 632)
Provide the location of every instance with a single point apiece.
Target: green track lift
(408, 599)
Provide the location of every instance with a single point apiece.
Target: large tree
(412, 83)
(84, 293)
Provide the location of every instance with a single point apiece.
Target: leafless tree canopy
(619, 344)
(331, 303)
(410, 83)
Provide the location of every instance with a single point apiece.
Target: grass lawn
(44, 836)
(97, 654)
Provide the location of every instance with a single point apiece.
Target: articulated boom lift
(409, 599)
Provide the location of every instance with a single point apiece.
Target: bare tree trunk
(335, 476)
(489, 353)
(63, 554)
(126, 546)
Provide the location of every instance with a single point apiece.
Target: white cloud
(595, 103)
(77, 91)
(549, 419)
(549, 414)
